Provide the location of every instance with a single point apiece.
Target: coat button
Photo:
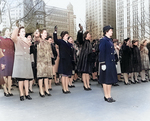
(24, 47)
(111, 53)
(111, 47)
(112, 60)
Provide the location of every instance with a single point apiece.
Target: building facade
(63, 18)
(133, 19)
(100, 13)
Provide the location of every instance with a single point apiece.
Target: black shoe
(105, 98)
(89, 89)
(28, 97)
(21, 98)
(113, 100)
(73, 86)
(48, 94)
(132, 82)
(85, 88)
(70, 86)
(126, 83)
(50, 89)
(95, 80)
(65, 92)
(30, 91)
(57, 84)
(68, 91)
(137, 81)
(7, 95)
(143, 81)
(41, 95)
(10, 94)
(115, 84)
(90, 84)
(110, 100)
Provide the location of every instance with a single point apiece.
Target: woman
(29, 37)
(70, 40)
(117, 49)
(44, 63)
(50, 40)
(2, 67)
(65, 62)
(126, 60)
(136, 62)
(7, 46)
(144, 59)
(85, 58)
(108, 73)
(22, 70)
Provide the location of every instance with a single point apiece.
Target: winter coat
(107, 57)
(145, 59)
(44, 61)
(65, 53)
(126, 59)
(85, 57)
(136, 60)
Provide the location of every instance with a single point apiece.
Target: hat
(126, 39)
(107, 28)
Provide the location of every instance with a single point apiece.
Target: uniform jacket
(107, 57)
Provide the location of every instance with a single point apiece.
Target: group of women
(41, 58)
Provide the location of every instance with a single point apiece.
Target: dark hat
(107, 28)
(134, 41)
(126, 39)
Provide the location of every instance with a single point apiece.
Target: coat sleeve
(102, 50)
(80, 37)
(55, 39)
(14, 35)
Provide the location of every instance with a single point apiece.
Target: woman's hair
(63, 33)
(85, 34)
(126, 40)
(41, 32)
(69, 37)
(20, 29)
(142, 44)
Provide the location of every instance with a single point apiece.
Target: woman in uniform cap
(108, 73)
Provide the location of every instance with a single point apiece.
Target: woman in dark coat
(126, 60)
(136, 61)
(7, 46)
(65, 62)
(107, 63)
(85, 58)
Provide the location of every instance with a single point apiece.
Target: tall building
(30, 13)
(39, 13)
(100, 13)
(133, 19)
(12, 13)
(63, 18)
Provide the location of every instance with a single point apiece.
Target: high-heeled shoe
(89, 88)
(57, 84)
(30, 91)
(85, 88)
(48, 94)
(7, 95)
(10, 94)
(41, 95)
(105, 98)
(65, 92)
(21, 98)
(50, 89)
(126, 83)
(68, 91)
(28, 97)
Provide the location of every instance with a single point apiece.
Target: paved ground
(133, 104)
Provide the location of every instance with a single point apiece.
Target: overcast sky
(78, 6)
